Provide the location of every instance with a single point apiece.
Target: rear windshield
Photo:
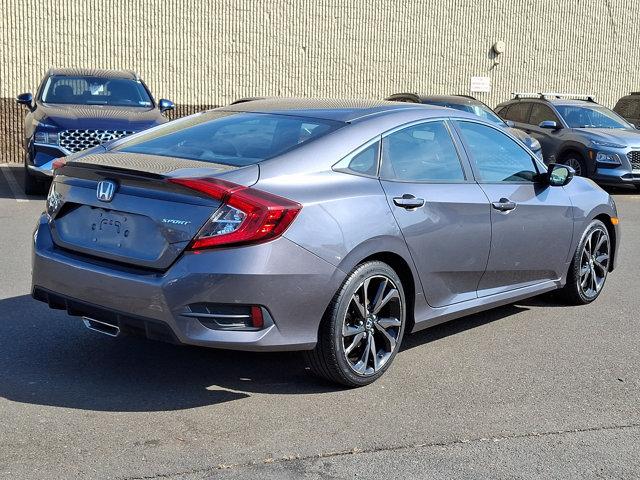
(229, 138)
(83, 90)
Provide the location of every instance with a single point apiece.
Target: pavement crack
(391, 448)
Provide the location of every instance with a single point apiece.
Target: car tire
(576, 162)
(589, 267)
(362, 329)
(32, 185)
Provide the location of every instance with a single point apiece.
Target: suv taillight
(246, 215)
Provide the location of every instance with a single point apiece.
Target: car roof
(420, 98)
(341, 110)
(93, 72)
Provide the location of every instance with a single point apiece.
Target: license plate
(110, 228)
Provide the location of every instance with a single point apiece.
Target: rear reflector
(229, 317)
(247, 215)
(257, 320)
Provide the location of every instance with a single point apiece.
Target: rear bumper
(294, 285)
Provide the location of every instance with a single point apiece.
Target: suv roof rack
(546, 95)
(518, 95)
(634, 93)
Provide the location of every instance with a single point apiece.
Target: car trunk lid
(147, 221)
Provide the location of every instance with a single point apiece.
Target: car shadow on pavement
(49, 358)
(12, 183)
(459, 325)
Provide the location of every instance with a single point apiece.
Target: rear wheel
(590, 266)
(363, 327)
(576, 162)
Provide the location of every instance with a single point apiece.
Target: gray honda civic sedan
(333, 227)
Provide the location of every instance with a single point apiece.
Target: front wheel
(577, 163)
(363, 327)
(590, 266)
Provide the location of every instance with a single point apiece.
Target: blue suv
(76, 109)
(574, 130)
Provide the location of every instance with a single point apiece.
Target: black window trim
(462, 157)
(474, 167)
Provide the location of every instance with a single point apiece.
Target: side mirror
(510, 123)
(559, 175)
(25, 99)
(165, 105)
(549, 124)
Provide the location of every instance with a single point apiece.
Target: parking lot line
(13, 184)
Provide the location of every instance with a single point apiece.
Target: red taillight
(57, 163)
(246, 216)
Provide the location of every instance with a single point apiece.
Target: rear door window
(518, 112)
(421, 153)
(628, 107)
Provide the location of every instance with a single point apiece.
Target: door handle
(504, 205)
(408, 201)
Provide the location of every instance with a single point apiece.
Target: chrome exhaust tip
(101, 327)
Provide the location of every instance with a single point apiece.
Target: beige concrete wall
(211, 52)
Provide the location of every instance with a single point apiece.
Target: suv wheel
(590, 266)
(362, 330)
(576, 162)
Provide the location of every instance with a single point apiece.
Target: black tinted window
(628, 107)
(497, 157)
(421, 153)
(119, 92)
(517, 112)
(229, 138)
(541, 113)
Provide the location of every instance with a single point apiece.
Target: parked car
(332, 227)
(628, 107)
(470, 104)
(75, 109)
(574, 130)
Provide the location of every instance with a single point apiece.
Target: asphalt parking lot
(533, 390)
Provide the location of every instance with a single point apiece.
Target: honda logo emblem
(105, 190)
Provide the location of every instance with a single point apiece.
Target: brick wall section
(211, 52)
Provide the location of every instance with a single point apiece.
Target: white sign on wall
(481, 84)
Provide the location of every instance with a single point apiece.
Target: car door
(443, 214)
(531, 223)
(549, 139)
